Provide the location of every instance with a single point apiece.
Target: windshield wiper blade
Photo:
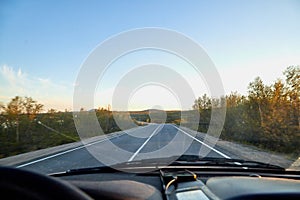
(87, 170)
(184, 160)
(224, 162)
(117, 167)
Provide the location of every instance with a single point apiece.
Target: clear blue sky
(43, 43)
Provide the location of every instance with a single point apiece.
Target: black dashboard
(206, 185)
(161, 184)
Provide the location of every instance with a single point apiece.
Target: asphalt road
(151, 141)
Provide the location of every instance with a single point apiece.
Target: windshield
(98, 83)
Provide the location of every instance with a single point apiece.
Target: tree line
(267, 117)
(26, 126)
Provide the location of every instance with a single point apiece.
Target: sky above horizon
(44, 43)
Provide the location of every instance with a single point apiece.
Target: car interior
(172, 182)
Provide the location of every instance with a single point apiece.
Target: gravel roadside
(248, 152)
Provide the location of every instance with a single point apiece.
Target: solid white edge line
(218, 152)
(135, 154)
(67, 151)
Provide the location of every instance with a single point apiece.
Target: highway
(151, 141)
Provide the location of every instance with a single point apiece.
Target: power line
(44, 125)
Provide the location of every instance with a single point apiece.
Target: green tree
(292, 74)
(13, 110)
(31, 107)
(202, 103)
(2, 118)
(259, 94)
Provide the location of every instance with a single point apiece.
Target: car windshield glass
(85, 84)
